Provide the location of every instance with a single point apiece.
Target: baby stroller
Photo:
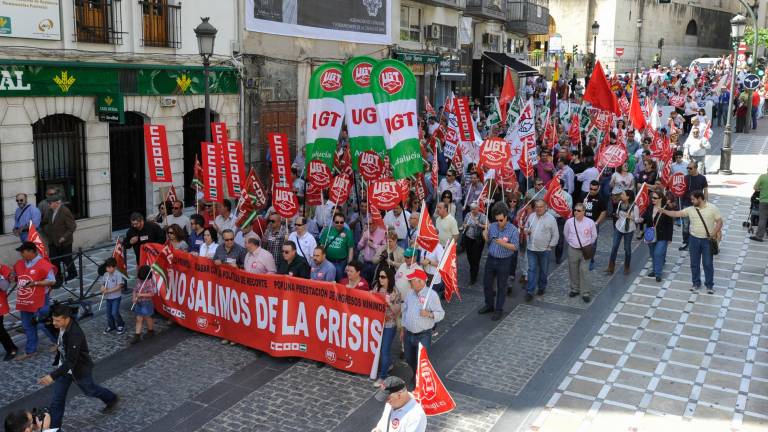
(754, 213)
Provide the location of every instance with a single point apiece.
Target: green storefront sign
(110, 107)
(410, 57)
(44, 79)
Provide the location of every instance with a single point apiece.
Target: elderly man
(257, 260)
(446, 225)
(59, 226)
(503, 239)
(541, 229)
(229, 252)
(25, 213)
(421, 310)
(322, 269)
(402, 412)
(581, 235)
(409, 264)
(178, 218)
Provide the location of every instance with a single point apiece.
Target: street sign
(555, 43)
(742, 47)
(619, 52)
(751, 82)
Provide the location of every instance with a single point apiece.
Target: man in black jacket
(293, 264)
(73, 363)
(140, 232)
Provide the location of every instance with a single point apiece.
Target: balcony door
(155, 22)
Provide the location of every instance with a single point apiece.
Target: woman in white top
(621, 180)
(208, 248)
(626, 217)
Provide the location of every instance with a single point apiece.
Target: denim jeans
(701, 254)
(617, 237)
(30, 330)
(686, 222)
(658, 252)
(411, 347)
(721, 114)
(341, 267)
(538, 267)
(114, 320)
(499, 269)
(61, 387)
(754, 118)
(386, 351)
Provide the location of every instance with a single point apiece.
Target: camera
(38, 415)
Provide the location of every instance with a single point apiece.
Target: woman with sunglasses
(384, 285)
(661, 236)
(626, 218)
(177, 238)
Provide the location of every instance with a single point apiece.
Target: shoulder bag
(588, 251)
(714, 245)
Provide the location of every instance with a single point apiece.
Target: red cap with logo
(417, 274)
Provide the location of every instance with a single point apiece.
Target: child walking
(142, 299)
(114, 281)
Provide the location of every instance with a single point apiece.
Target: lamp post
(738, 24)
(637, 55)
(206, 36)
(595, 31)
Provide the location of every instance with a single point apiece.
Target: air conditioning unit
(434, 31)
(168, 101)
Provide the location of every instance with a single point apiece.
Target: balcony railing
(161, 24)
(98, 21)
(528, 17)
(488, 9)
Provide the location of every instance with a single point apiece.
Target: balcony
(98, 21)
(486, 9)
(527, 17)
(161, 24)
(453, 4)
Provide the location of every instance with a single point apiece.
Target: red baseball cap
(417, 274)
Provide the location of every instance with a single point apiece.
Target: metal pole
(725, 150)
(637, 54)
(206, 72)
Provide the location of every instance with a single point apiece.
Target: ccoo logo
(330, 80)
(391, 80)
(361, 74)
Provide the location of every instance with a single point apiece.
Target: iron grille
(60, 160)
(98, 21)
(161, 24)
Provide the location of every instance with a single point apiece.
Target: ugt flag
(362, 122)
(430, 391)
(325, 112)
(394, 91)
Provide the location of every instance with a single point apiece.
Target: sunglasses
(298, 224)
(229, 240)
(578, 210)
(690, 168)
(382, 276)
(339, 222)
(20, 201)
(500, 220)
(286, 252)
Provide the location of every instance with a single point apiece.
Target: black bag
(714, 245)
(588, 251)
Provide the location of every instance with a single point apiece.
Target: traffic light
(661, 43)
(575, 49)
(760, 66)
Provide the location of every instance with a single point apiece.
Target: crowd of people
(512, 226)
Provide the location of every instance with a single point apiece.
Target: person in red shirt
(755, 106)
(354, 277)
(34, 275)
(5, 338)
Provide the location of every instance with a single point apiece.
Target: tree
(762, 37)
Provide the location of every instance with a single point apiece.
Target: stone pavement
(640, 356)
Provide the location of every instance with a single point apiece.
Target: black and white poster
(362, 21)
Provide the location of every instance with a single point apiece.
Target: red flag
(340, 189)
(234, 161)
(171, 195)
(160, 267)
(483, 197)
(574, 133)
(383, 194)
(525, 166)
(624, 105)
(636, 115)
(428, 107)
(197, 176)
(246, 211)
(118, 253)
(707, 130)
(158, 158)
(375, 215)
(211, 171)
(371, 165)
(435, 169)
(464, 118)
(666, 173)
(285, 202)
(448, 274)
(678, 185)
(34, 237)
(555, 199)
(508, 93)
(420, 187)
(430, 391)
(643, 199)
(599, 93)
(427, 238)
(318, 174)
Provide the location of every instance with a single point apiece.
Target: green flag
(325, 112)
(394, 91)
(494, 117)
(362, 122)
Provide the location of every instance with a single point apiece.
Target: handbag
(649, 234)
(714, 245)
(588, 251)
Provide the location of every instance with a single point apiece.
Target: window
(98, 21)
(60, 160)
(692, 29)
(162, 24)
(410, 24)
(448, 36)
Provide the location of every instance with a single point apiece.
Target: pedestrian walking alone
(581, 235)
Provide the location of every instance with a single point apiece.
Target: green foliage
(762, 36)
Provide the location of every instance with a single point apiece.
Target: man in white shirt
(402, 413)
(450, 183)
(394, 219)
(178, 218)
(305, 243)
(225, 219)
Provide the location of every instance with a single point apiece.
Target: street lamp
(637, 56)
(738, 24)
(595, 31)
(206, 36)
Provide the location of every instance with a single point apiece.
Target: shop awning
(502, 59)
(453, 76)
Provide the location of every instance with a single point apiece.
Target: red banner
(219, 132)
(235, 163)
(211, 171)
(158, 159)
(494, 153)
(281, 159)
(464, 118)
(280, 315)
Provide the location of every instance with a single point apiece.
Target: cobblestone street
(642, 356)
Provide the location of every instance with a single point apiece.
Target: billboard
(360, 21)
(30, 19)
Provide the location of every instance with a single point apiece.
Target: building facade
(78, 82)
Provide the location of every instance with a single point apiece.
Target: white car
(705, 62)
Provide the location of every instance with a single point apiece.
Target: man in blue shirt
(322, 269)
(25, 213)
(197, 225)
(503, 239)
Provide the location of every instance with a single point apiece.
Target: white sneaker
(378, 383)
